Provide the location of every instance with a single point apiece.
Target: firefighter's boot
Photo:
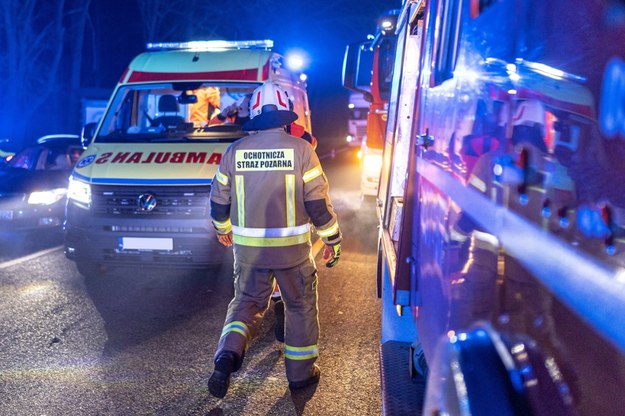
(278, 308)
(313, 379)
(219, 381)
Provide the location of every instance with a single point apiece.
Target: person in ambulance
(268, 189)
(238, 113)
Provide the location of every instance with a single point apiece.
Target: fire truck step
(401, 394)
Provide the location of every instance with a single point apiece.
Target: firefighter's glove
(332, 254)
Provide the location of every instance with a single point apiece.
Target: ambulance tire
(89, 269)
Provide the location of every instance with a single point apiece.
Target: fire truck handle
(425, 140)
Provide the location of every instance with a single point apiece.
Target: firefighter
(238, 113)
(268, 189)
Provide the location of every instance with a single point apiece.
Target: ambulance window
(124, 114)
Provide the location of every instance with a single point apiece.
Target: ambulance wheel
(90, 269)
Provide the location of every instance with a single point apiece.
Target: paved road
(140, 341)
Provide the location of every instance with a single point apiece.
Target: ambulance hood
(141, 164)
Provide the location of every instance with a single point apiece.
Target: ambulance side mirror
(87, 133)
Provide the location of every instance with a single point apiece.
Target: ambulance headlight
(47, 197)
(79, 191)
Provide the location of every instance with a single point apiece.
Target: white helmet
(273, 104)
(268, 94)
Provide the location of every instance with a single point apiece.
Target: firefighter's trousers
(252, 291)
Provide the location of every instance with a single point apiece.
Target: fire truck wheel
(90, 269)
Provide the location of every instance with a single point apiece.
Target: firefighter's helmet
(269, 108)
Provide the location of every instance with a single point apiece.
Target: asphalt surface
(140, 341)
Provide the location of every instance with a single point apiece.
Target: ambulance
(139, 195)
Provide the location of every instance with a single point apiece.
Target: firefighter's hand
(225, 239)
(332, 254)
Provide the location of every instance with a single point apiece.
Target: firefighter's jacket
(268, 189)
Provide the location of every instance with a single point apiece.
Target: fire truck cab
(140, 192)
(501, 201)
(367, 70)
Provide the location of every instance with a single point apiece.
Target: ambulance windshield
(176, 112)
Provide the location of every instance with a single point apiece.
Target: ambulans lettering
(159, 157)
(120, 157)
(264, 159)
(103, 158)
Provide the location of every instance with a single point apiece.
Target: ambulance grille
(170, 202)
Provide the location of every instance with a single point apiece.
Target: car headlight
(79, 191)
(47, 197)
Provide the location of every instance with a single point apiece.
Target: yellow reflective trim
(225, 227)
(290, 200)
(221, 178)
(236, 326)
(301, 353)
(312, 174)
(330, 231)
(299, 349)
(301, 357)
(240, 190)
(271, 241)
(477, 183)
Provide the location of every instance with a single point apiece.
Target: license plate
(141, 243)
(6, 215)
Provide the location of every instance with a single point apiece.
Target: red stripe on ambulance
(238, 75)
(159, 157)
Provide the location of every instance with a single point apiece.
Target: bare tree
(32, 41)
(178, 20)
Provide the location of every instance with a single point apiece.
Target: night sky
(320, 28)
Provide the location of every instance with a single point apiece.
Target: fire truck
(357, 120)
(139, 195)
(501, 209)
(367, 72)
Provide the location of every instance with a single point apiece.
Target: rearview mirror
(186, 98)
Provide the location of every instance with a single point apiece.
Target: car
(33, 183)
(5, 155)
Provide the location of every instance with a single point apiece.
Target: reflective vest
(268, 190)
